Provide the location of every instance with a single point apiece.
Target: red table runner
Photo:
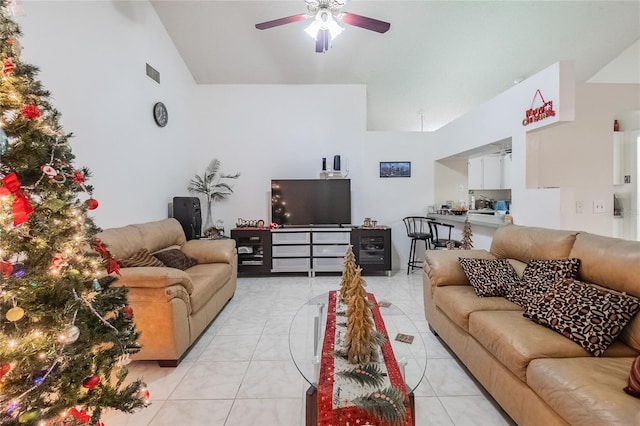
(334, 410)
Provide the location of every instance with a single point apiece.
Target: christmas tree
(66, 331)
(348, 272)
(467, 242)
(359, 343)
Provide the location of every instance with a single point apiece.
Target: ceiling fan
(326, 14)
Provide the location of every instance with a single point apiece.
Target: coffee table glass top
(306, 335)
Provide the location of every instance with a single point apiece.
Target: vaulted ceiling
(438, 61)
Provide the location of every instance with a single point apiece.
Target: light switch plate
(598, 206)
(579, 206)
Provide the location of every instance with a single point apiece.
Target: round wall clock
(160, 114)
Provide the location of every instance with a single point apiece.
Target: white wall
(623, 69)
(93, 54)
(283, 132)
(578, 155)
(92, 59)
(95, 68)
(501, 118)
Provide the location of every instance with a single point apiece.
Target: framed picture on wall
(395, 169)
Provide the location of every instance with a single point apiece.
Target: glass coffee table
(306, 336)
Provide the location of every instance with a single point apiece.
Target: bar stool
(418, 230)
(441, 243)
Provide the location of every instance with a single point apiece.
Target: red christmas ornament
(57, 263)
(4, 369)
(78, 176)
(80, 415)
(91, 382)
(127, 311)
(143, 394)
(30, 112)
(99, 423)
(6, 268)
(92, 204)
(7, 66)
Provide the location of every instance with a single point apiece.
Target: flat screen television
(304, 202)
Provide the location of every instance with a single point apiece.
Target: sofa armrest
(443, 267)
(211, 251)
(154, 277)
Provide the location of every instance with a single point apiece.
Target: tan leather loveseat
(538, 376)
(172, 307)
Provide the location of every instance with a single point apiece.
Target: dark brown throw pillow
(590, 316)
(633, 387)
(175, 258)
(140, 258)
(489, 277)
(538, 276)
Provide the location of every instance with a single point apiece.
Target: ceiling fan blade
(281, 21)
(366, 23)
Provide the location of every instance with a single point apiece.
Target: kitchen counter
(491, 221)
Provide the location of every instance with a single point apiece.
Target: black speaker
(187, 211)
(336, 162)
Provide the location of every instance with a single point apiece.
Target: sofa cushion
(458, 301)
(122, 242)
(610, 262)
(207, 280)
(174, 258)
(515, 340)
(151, 277)
(586, 391)
(633, 384)
(161, 234)
(537, 277)
(526, 243)
(139, 259)
(442, 266)
(489, 277)
(592, 317)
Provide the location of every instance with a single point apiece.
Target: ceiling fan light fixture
(324, 21)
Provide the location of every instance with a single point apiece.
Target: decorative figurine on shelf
(213, 187)
(508, 219)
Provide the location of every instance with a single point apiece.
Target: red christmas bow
(81, 415)
(21, 207)
(112, 264)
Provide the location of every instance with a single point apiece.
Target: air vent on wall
(153, 73)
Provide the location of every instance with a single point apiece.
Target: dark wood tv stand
(311, 249)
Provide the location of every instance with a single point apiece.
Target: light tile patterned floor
(240, 372)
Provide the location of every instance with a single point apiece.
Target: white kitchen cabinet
(492, 167)
(476, 173)
(489, 172)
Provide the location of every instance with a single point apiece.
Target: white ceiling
(438, 61)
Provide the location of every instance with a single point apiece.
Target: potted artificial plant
(213, 186)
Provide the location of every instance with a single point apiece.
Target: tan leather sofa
(536, 375)
(173, 307)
